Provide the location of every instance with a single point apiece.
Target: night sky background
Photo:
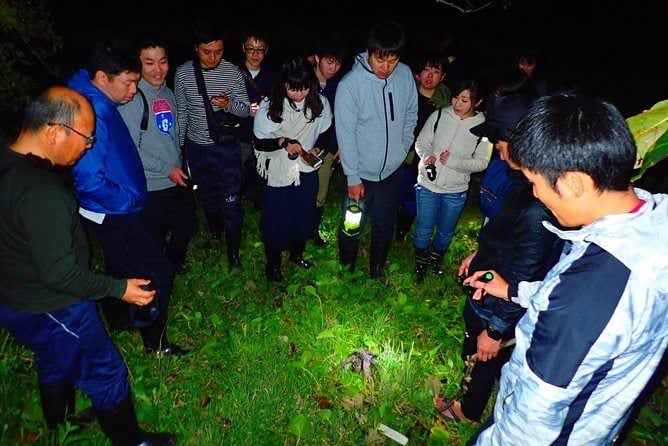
(612, 50)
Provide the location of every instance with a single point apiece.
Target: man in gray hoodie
(376, 112)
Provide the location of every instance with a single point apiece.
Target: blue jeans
(440, 211)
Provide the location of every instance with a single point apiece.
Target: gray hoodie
(159, 148)
(375, 119)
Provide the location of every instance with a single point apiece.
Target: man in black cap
(513, 241)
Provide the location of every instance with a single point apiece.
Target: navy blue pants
(171, 211)
(407, 198)
(131, 252)
(217, 172)
(71, 345)
(288, 214)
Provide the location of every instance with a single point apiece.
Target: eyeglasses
(89, 139)
(250, 49)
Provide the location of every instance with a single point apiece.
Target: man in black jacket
(516, 244)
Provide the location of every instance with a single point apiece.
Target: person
(432, 94)
(293, 120)
(48, 291)
(456, 69)
(529, 64)
(329, 55)
(376, 112)
(260, 78)
(449, 153)
(110, 185)
(516, 244)
(216, 169)
(594, 330)
(169, 213)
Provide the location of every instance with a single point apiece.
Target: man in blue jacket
(110, 185)
(375, 112)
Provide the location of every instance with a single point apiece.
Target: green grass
(266, 367)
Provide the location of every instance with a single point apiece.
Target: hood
(639, 240)
(80, 81)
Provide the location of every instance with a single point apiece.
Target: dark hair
(386, 39)
(332, 47)
(46, 108)
(475, 89)
(514, 82)
(429, 60)
(256, 35)
(151, 41)
(114, 57)
(570, 133)
(297, 74)
(206, 31)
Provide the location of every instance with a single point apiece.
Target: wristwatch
(494, 334)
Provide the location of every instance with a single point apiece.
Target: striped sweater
(225, 78)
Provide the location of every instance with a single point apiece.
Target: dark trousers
(72, 346)
(130, 251)
(484, 373)
(407, 199)
(380, 203)
(171, 212)
(288, 214)
(218, 174)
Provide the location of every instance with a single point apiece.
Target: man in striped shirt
(214, 168)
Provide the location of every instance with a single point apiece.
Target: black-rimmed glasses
(250, 49)
(89, 139)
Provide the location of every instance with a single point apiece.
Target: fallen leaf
(323, 402)
(205, 401)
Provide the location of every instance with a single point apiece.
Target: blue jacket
(375, 119)
(109, 178)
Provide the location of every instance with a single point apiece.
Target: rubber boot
(404, 223)
(436, 261)
(348, 249)
(156, 342)
(315, 235)
(233, 242)
(377, 258)
(297, 257)
(120, 426)
(273, 268)
(422, 263)
(57, 402)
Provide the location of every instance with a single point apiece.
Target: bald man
(48, 292)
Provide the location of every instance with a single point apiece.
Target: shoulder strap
(248, 78)
(144, 117)
(201, 89)
(438, 118)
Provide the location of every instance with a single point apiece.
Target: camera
(431, 171)
(468, 289)
(312, 160)
(149, 312)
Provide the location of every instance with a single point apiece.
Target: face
(382, 67)
(502, 147)
(328, 66)
(73, 145)
(296, 95)
(210, 54)
(255, 50)
(120, 88)
(430, 77)
(154, 65)
(558, 203)
(462, 104)
(527, 66)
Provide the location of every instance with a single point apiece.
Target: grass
(267, 362)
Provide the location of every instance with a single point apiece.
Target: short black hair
(151, 41)
(205, 31)
(386, 39)
(429, 59)
(330, 46)
(114, 57)
(571, 133)
(46, 108)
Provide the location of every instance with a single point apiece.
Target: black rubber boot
(377, 258)
(233, 242)
(296, 257)
(120, 425)
(422, 263)
(436, 261)
(315, 235)
(273, 268)
(57, 402)
(404, 223)
(348, 249)
(156, 342)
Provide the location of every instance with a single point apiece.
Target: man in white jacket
(595, 328)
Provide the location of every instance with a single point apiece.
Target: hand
(356, 192)
(316, 151)
(293, 147)
(497, 287)
(488, 348)
(431, 159)
(337, 157)
(177, 176)
(254, 107)
(221, 101)
(135, 295)
(464, 267)
(444, 157)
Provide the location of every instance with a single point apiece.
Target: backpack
(494, 187)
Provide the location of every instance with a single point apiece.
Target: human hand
(356, 192)
(464, 267)
(134, 294)
(221, 101)
(497, 287)
(488, 348)
(443, 157)
(254, 107)
(293, 147)
(337, 157)
(431, 159)
(177, 175)
(315, 151)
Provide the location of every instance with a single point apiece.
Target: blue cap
(503, 118)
